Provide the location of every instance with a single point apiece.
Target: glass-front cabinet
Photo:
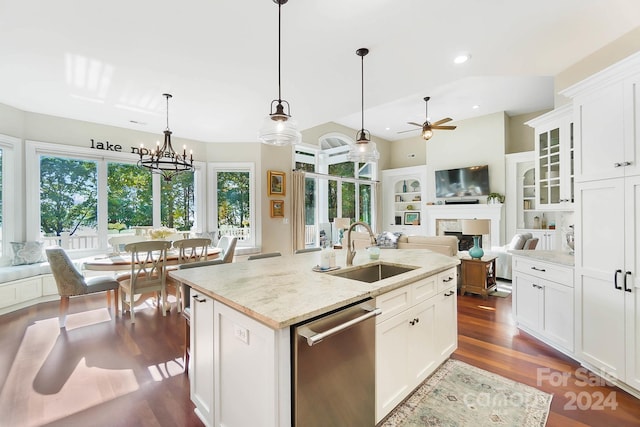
(554, 159)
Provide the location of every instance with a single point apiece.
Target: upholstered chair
(70, 282)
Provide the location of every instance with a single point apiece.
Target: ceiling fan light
(427, 133)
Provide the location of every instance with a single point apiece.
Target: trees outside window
(177, 204)
(68, 196)
(233, 201)
(130, 196)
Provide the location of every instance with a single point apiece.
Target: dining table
(122, 261)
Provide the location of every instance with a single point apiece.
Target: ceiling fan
(427, 126)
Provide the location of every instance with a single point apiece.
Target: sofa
(447, 245)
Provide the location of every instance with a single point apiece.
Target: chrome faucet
(351, 253)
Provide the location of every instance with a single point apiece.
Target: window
(233, 199)
(339, 189)
(86, 197)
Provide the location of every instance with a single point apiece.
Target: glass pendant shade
(364, 150)
(279, 129)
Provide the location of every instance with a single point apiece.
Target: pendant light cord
(279, 31)
(362, 87)
(167, 96)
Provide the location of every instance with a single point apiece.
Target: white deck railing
(72, 242)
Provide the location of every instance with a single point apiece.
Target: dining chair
(189, 251)
(148, 262)
(265, 255)
(71, 282)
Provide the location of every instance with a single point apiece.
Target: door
(632, 289)
(599, 255)
(557, 313)
(446, 314)
(527, 301)
(422, 357)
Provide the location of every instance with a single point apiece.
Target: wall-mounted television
(463, 182)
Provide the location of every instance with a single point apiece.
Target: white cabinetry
(607, 277)
(404, 194)
(240, 375)
(607, 232)
(554, 159)
(415, 333)
(548, 240)
(607, 116)
(22, 293)
(201, 369)
(543, 303)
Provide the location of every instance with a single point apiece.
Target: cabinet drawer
(447, 278)
(423, 289)
(394, 302)
(544, 270)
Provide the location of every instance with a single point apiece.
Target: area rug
(501, 294)
(459, 394)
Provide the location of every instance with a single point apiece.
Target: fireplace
(443, 218)
(465, 241)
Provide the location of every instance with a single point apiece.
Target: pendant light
(279, 128)
(364, 150)
(164, 160)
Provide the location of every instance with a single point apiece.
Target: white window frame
(254, 209)
(33, 151)
(11, 226)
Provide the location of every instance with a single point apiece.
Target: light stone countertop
(556, 257)
(282, 291)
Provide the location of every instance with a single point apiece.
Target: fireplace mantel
(492, 211)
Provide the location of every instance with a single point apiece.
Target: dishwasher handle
(315, 337)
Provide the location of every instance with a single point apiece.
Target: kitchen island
(242, 314)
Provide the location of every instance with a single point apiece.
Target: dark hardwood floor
(101, 372)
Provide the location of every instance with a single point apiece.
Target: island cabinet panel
(201, 370)
(415, 333)
(247, 367)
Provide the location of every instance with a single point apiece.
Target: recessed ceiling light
(387, 128)
(462, 58)
(475, 107)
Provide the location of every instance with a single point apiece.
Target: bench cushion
(17, 272)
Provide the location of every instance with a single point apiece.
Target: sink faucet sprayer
(351, 253)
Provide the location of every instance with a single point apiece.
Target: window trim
(10, 216)
(254, 207)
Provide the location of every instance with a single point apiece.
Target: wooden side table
(478, 275)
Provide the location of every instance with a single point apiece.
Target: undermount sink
(373, 273)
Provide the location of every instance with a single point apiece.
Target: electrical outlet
(241, 333)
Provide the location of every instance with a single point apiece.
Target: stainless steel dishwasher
(334, 368)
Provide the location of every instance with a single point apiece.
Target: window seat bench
(25, 285)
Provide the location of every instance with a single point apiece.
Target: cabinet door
(632, 264)
(446, 321)
(392, 362)
(527, 300)
(600, 133)
(201, 370)
(422, 357)
(599, 253)
(632, 125)
(557, 315)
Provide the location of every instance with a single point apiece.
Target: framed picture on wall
(277, 183)
(277, 209)
(412, 218)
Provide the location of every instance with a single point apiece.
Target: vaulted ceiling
(110, 62)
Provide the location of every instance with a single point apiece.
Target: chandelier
(279, 128)
(364, 150)
(164, 160)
